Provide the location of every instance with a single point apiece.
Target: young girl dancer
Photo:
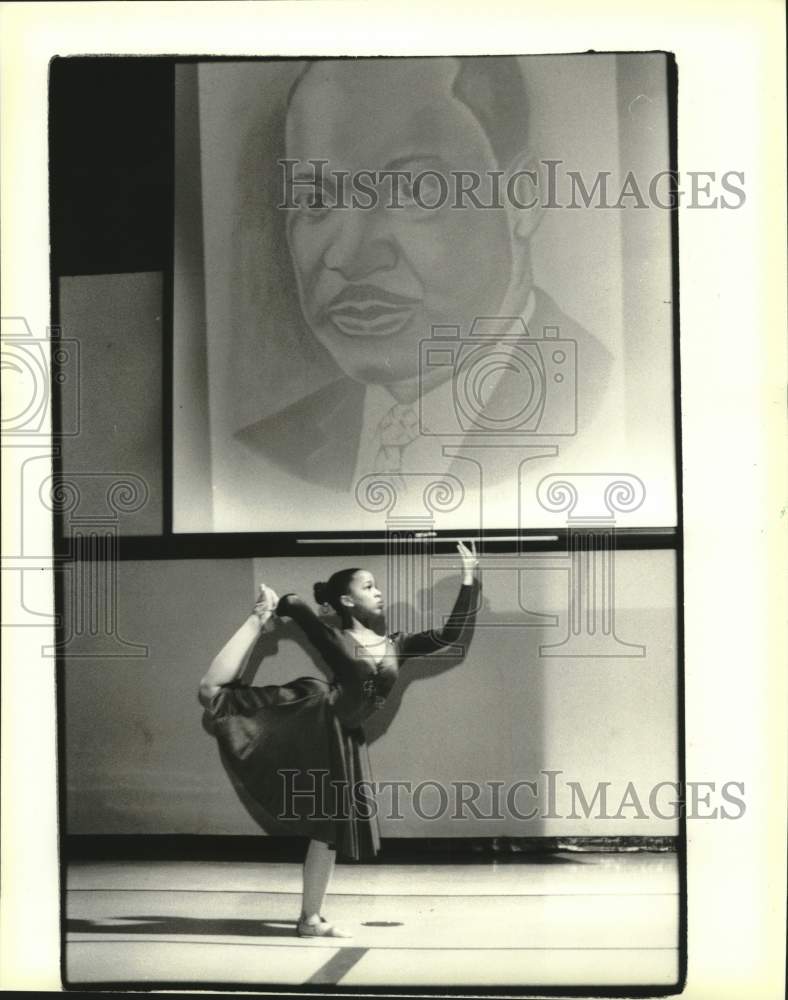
(311, 728)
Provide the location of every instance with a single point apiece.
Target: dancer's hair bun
(321, 592)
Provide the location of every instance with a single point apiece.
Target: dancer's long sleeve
(433, 640)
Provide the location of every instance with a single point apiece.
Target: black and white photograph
(383, 641)
(399, 726)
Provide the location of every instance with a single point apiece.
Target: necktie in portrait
(398, 428)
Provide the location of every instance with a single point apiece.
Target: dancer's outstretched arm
(462, 615)
(229, 662)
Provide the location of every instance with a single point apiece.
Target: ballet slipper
(320, 929)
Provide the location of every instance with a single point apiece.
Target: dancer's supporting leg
(318, 868)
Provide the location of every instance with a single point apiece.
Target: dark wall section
(111, 164)
(116, 319)
(111, 132)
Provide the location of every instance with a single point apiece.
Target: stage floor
(569, 919)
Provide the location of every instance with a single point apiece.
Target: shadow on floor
(184, 925)
(193, 925)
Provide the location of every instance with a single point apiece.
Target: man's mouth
(369, 311)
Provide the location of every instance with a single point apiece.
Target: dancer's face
(363, 599)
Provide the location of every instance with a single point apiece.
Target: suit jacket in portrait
(317, 438)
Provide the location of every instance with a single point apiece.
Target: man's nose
(360, 244)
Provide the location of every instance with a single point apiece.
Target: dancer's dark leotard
(304, 736)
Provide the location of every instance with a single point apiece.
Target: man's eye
(313, 199)
(423, 190)
(430, 189)
(406, 188)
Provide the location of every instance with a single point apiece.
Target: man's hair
(493, 90)
(492, 87)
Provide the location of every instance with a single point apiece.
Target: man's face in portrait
(373, 281)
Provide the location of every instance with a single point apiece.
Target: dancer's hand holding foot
(267, 602)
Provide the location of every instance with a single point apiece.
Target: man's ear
(523, 196)
(525, 181)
